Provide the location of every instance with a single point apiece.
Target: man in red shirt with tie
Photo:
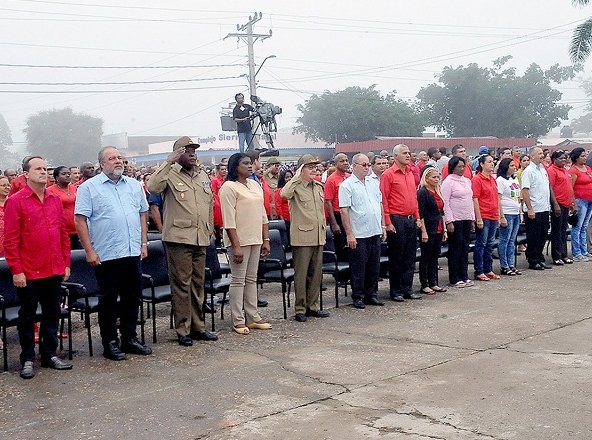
(401, 217)
(37, 250)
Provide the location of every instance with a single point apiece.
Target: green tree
(7, 158)
(357, 114)
(481, 101)
(64, 137)
(581, 41)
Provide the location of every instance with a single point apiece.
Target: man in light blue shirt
(360, 202)
(111, 221)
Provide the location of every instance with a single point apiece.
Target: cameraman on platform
(241, 115)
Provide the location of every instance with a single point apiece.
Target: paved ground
(509, 359)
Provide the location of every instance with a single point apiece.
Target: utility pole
(245, 33)
(250, 38)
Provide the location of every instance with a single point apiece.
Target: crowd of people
(408, 201)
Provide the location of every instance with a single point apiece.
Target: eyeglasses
(365, 164)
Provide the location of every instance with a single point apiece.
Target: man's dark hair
(27, 162)
(456, 148)
(432, 152)
(253, 155)
(233, 163)
(220, 165)
(453, 162)
(377, 157)
(237, 95)
(443, 151)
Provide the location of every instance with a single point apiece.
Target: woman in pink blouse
(459, 217)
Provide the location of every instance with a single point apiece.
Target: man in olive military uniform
(187, 227)
(307, 236)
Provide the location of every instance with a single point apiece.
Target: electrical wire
(112, 83)
(52, 66)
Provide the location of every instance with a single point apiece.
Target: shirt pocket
(180, 191)
(305, 200)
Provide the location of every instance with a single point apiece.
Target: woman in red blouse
(581, 178)
(67, 194)
(4, 190)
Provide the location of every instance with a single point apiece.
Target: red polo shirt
(281, 205)
(399, 193)
(332, 185)
(583, 185)
(216, 184)
(560, 181)
(485, 191)
(36, 242)
(68, 199)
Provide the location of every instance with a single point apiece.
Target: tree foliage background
(482, 101)
(357, 114)
(7, 158)
(63, 137)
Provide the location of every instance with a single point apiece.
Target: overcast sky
(319, 45)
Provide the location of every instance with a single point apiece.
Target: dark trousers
(364, 263)
(559, 234)
(458, 251)
(340, 241)
(536, 237)
(47, 292)
(428, 262)
(402, 246)
(121, 278)
(187, 267)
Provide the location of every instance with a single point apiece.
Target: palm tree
(581, 42)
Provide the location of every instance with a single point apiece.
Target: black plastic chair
(280, 225)
(274, 268)
(155, 278)
(215, 283)
(10, 305)
(337, 269)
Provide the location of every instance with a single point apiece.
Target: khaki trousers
(187, 265)
(308, 275)
(243, 286)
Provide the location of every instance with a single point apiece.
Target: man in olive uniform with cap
(272, 171)
(307, 236)
(187, 227)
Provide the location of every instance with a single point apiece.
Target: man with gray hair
(536, 194)
(111, 217)
(361, 212)
(401, 217)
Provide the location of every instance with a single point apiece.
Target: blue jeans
(578, 232)
(507, 241)
(243, 137)
(483, 259)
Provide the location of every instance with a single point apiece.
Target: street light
(264, 60)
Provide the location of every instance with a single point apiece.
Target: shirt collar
(104, 178)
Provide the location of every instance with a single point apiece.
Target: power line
(111, 83)
(67, 92)
(51, 66)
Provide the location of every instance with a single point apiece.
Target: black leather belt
(408, 217)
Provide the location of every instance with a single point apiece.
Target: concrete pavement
(508, 359)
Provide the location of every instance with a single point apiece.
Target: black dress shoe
(113, 352)
(204, 336)
(536, 267)
(185, 341)
(27, 370)
(359, 304)
(262, 303)
(546, 266)
(317, 313)
(412, 296)
(135, 347)
(56, 363)
(300, 317)
(397, 298)
(373, 302)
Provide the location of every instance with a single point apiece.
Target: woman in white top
(246, 236)
(508, 189)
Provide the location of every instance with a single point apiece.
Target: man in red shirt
(37, 250)
(332, 204)
(460, 151)
(401, 217)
